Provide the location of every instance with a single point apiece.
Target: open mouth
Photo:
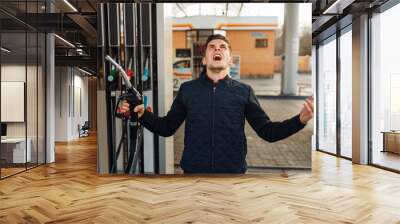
(217, 57)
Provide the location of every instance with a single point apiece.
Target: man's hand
(124, 109)
(307, 112)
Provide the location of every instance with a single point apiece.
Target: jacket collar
(204, 78)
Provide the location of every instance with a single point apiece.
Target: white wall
(14, 73)
(71, 87)
(61, 103)
(80, 83)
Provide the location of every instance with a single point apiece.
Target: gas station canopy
(225, 9)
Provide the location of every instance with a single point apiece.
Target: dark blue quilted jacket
(215, 114)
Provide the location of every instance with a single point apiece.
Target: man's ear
(203, 61)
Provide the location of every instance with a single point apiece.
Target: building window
(261, 43)
(182, 53)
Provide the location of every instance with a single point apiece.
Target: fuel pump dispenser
(126, 72)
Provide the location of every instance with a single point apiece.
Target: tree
(305, 41)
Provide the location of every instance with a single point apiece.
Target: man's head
(217, 55)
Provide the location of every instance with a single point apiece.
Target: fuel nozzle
(132, 96)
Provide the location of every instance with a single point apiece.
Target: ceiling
(331, 15)
(76, 20)
(87, 9)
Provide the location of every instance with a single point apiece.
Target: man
(215, 107)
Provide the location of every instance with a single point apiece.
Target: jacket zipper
(213, 127)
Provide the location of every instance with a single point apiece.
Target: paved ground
(272, 86)
(293, 152)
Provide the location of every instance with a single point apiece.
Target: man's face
(218, 55)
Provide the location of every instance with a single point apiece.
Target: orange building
(256, 49)
(178, 40)
(254, 61)
(252, 39)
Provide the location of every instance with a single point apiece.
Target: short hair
(217, 37)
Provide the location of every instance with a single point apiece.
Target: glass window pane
(31, 97)
(41, 98)
(32, 86)
(385, 89)
(346, 94)
(23, 88)
(327, 97)
(14, 153)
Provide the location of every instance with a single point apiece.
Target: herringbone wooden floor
(70, 191)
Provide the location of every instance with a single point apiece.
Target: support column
(101, 107)
(165, 91)
(102, 149)
(50, 98)
(360, 90)
(291, 49)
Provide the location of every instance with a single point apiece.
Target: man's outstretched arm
(274, 131)
(163, 126)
